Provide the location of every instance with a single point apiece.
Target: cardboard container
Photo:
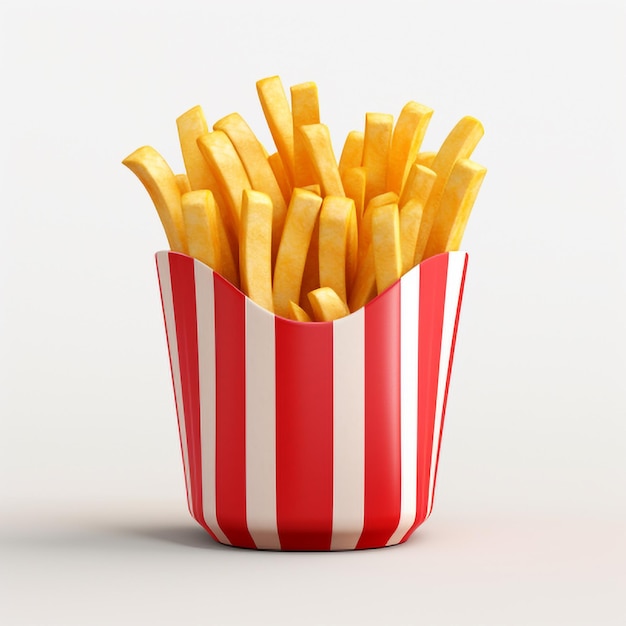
(310, 436)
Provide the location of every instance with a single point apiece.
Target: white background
(529, 519)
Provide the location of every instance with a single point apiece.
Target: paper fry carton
(310, 436)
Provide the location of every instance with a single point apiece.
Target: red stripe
(433, 274)
(304, 434)
(184, 301)
(176, 400)
(230, 408)
(445, 397)
(382, 419)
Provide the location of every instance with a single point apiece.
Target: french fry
(319, 148)
(419, 183)
(410, 220)
(302, 214)
(354, 186)
(352, 153)
(255, 247)
(279, 120)
(297, 313)
(376, 146)
(276, 163)
(311, 272)
(191, 125)
(229, 250)
(160, 183)
(247, 144)
(425, 158)
(336, 217)
(315, 188)
(459, 144)
(405, 143)
(364, 286)
(365, 232)
(352, 259)
(200, 220)
(327, 305)
(305, 110)
(258, 169)
(225, 164)
(354, 180)
(386, 245)
(456, 204)
(183, 183)
(416, 191)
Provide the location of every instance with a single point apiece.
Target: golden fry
(200, 219)
(376, 147)
(352, 153)
(425, 158)
(292, 252)
(160, 183)
(297, 313)
(410, 220)
(305, 110)
(386, 245)
(183, 183)
(279, 120)
(258, 169)
(336, 216)
(459, 144)
(192, 125)
(229, 251)
(405, 143)
(354, 186)
(315, 188)
(352, 253)
(327, 305)
(311, 272)
(419, 184)
(255, 247)
(276, 163)
(456, 204)
(414, 197)
(364, 286)
(365, 232)
(320, 151)
(225, 164)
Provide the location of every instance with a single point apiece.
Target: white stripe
(409, 321)
(205, 312)
(170, 330)
(456, 261)
(261, 427)
(348, 430)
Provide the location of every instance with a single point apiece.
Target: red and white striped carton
(310, 436)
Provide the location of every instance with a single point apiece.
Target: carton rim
(249, 300)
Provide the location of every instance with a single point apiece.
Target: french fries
(254, 159)
(306, 236)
